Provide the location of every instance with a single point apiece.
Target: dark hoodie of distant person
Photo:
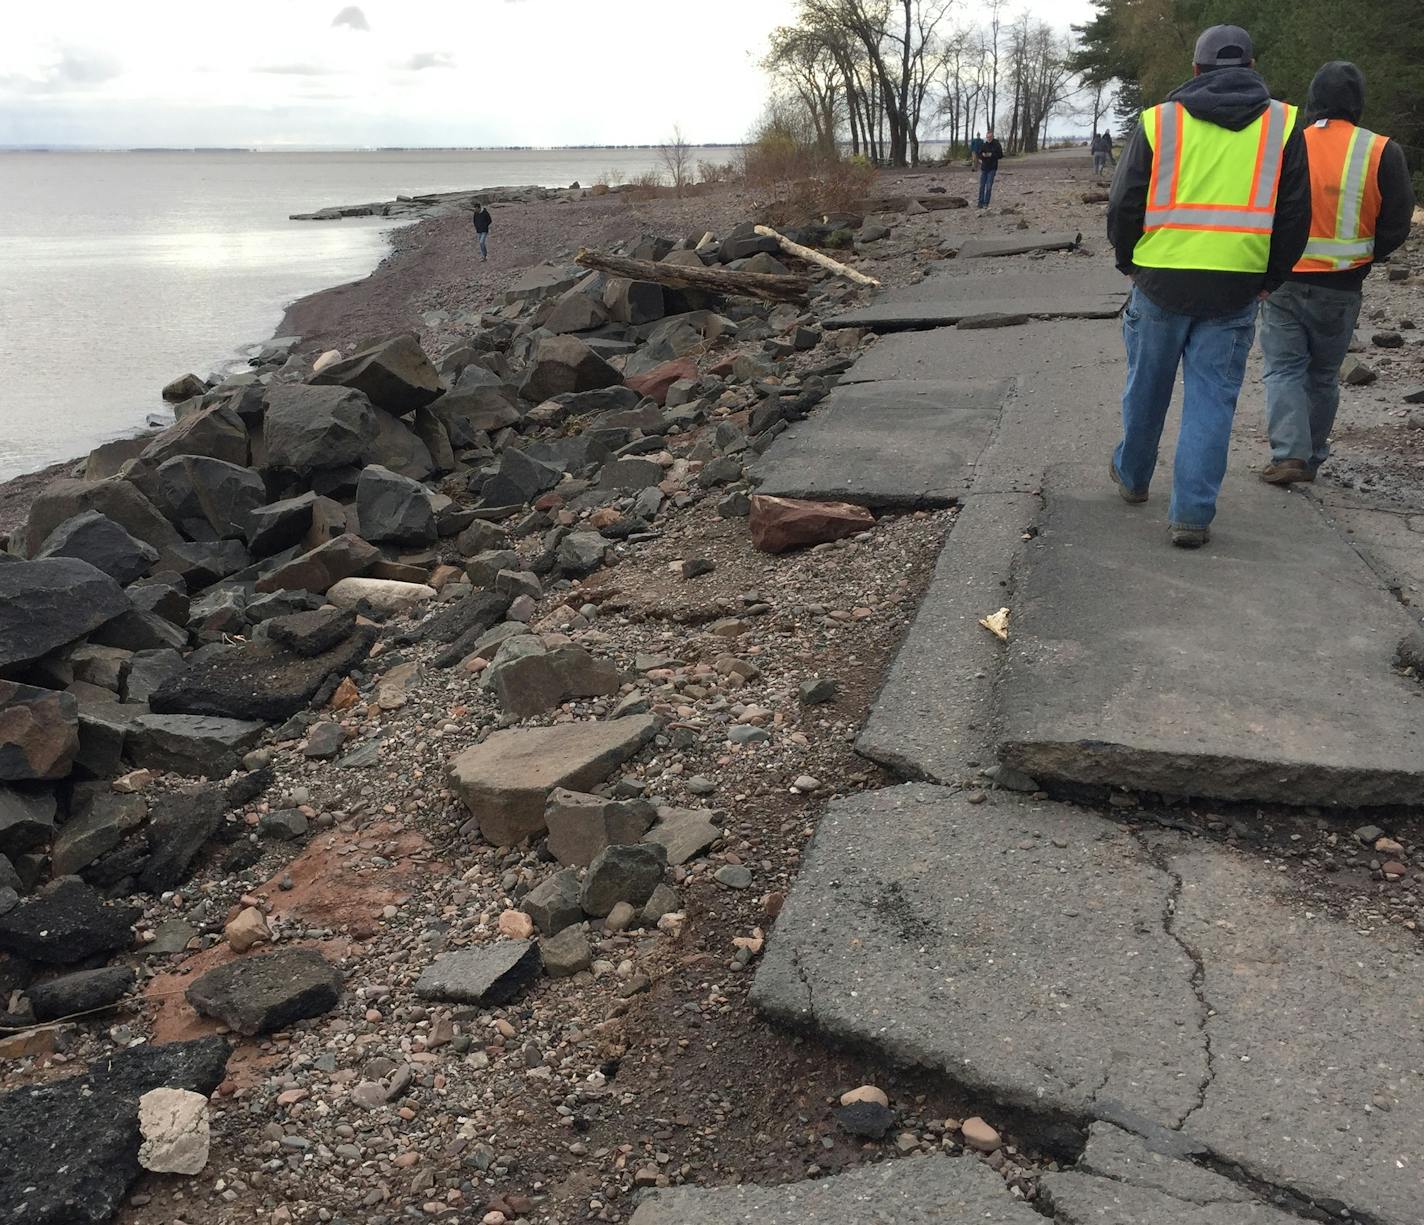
(1232, 98)
(1338, 92)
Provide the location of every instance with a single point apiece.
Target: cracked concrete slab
(933, 717)
(1090, 291)
(896, 444)
(1014, 947)
(1081, 1199)
(1317, 1035)
(916, 1191)
(1018, 244)
(1259, 668)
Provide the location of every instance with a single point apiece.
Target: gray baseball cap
(1224, 47)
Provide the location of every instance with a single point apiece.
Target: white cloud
(352, 17)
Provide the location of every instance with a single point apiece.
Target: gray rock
(324, 741)
(71, 1146)
(1356, 373)
(313, 633)
(683, 833)
(664, 901)
(99, 820)
(284, 824)
(531, 684)
(398, 447)
(553, 904)
(66, 922)
(489, 975)
(394, 508)
(282, 525)
(567, 953)
(347, 556)
(182, 822)
(207, 498)
(395, 374)
(307, 429)
(104, 544)
(582, 826)
(117, 499)
(204, 562)
(259, 994)
(622, 874)
(216, 431)
(733, 876)
(191, 744)
(484, 568)
(630, 474)
(562, 364)
(580, 553)
(818, 691)
(46, 604)
(82, 991)
(26, 818)
(521, 478)
(148, 670)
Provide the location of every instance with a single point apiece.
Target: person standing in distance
(483, 221)
(991, 153)
(1363, 202)
(1209, 211)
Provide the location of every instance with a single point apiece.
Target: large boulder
(395, 374)
(66, 922)
(565, 363)
(308, 429)
(394, 508)
(26, 819)
(471, 416)
(634, 302)
(576, 311)
(259, 994)
(45, 604)
(520, 478)
(322, 567)
(39, 732)
(217, 432)
(208, 498)
(657, 381)
(185, 387)
(195, 745)
(290, 522)
(398, 447)
(104, 544)
(71, 1146)
(506, 780)
(117, 498)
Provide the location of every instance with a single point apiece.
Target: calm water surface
(120, 271)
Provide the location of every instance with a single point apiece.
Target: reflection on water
(119, 272)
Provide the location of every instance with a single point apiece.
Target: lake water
(120, 271)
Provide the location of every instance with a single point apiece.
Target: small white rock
(174, 1126)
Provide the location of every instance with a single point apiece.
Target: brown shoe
(1286, 472)
(1133, 497)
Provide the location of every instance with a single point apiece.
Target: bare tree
(676, 157)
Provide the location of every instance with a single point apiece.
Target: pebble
(979, 1135)
(866, 1093)
(733, 876)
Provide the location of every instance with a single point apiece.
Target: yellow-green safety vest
(1211, 201)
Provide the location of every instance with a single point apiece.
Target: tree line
(877, 75)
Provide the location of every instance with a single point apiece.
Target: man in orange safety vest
(1361, 205)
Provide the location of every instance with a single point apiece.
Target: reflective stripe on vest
(1211, 200)
(1347, 169)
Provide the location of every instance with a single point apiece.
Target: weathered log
(719, 280)
(815, 257)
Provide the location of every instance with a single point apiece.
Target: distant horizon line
(84, 148)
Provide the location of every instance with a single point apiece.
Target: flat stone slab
(896, 444)
(1012, 947)
(490, 974)
(933, 717)
(1259, 668)
(916, 1191)
(1019, 244)
(1093, 291)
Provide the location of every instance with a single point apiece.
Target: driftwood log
(815, 257)
(719, 280)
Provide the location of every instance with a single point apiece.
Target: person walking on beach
(483, 220)
(991, 153)
(1362, 204)
(1102, 148)
(1209, 211)
(974, 146)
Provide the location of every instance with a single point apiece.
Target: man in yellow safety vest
(1209, 211)
(1361, 205)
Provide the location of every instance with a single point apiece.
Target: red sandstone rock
(656, 382)
(779, 524)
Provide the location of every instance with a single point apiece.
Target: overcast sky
(390, 72)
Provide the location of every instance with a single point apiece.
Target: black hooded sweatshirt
(1232, 98)
(1338, 92)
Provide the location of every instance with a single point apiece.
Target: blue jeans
(986, 186)
(1305, 334)
(1212, 353)
(483, 236)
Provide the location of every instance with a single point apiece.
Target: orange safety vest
(1211, 200)
(1344, 195)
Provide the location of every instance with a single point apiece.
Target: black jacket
(483, 221)
(1338, 92)
(991, 153)
(1232, 98)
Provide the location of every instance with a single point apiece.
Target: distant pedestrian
(990, 154)
(483, 222)
(1102, 147)
(1209, 212)
(974, 146)
(1363, 203)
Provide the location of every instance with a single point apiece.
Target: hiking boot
(1286, 472)
(1130, 496)
(1190, 537)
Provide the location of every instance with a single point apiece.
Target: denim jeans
(986, 186)
(484, 244)
(1212, 353)
(1305, 334)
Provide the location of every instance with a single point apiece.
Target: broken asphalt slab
(896, 444)
(917, 1191)
(1089, 291)
(1018, 244)
(1102, 686)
